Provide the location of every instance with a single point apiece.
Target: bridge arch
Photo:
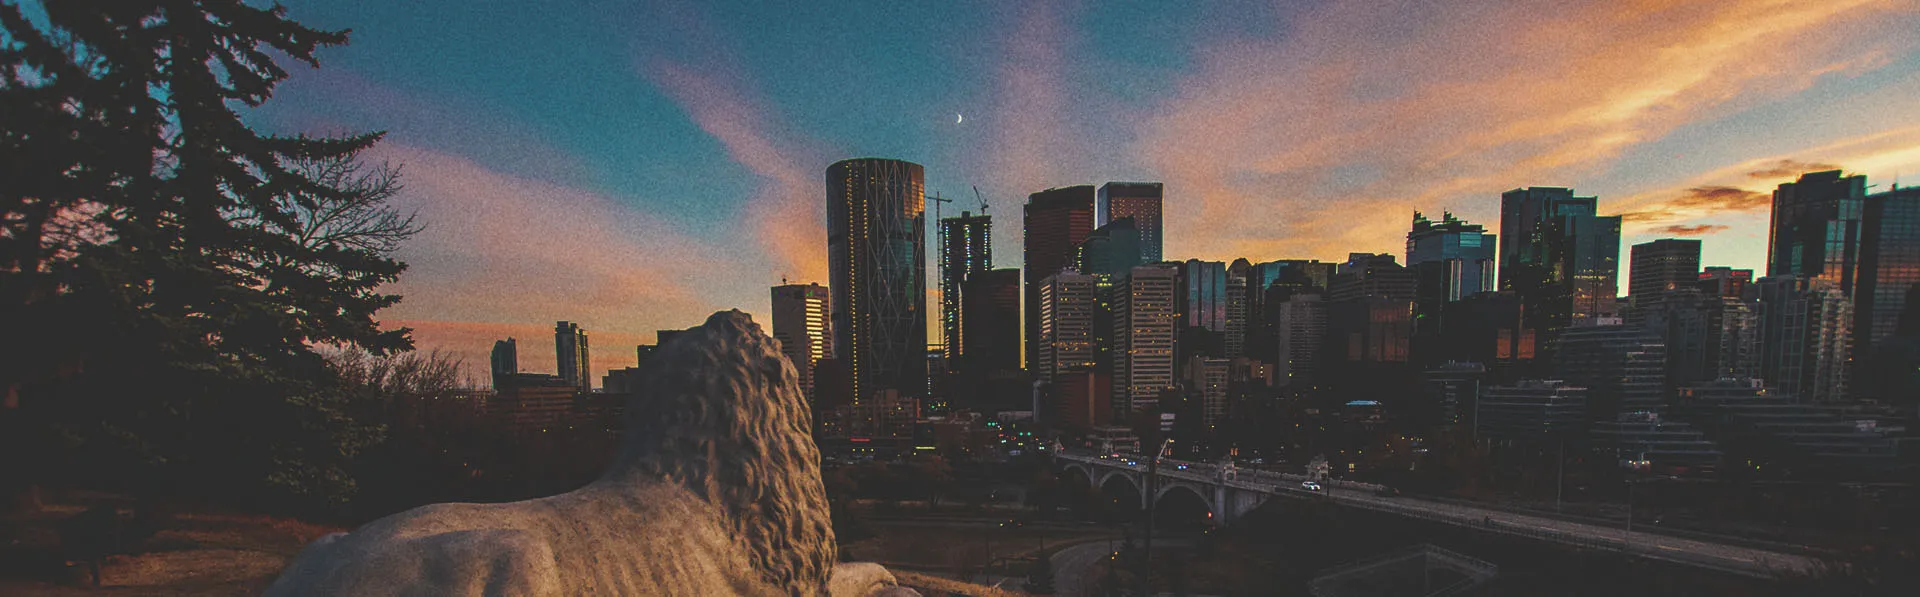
(1185, 505)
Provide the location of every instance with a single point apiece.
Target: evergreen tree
(166, 269)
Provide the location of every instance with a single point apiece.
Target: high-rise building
(1300, 323)
(877, 255)
(801, 315)
(1066, 315)
(1293, 275)
(1805, 337)
(1206, 379)
(1559, 257)
(1369, 275)
(1623, 368)
(1530, 409)
(570, 348)
(1664, 270)
(1237, 308)
(1144, 318)
(506, 361)
(1139, 201)
(1816, 229)
(1202, 309)
(991, 312)
(1452, 259)
(966, 248)
(1718, 280)
(1057, 221)
(1889, 264)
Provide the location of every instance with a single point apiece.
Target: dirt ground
(201, 554)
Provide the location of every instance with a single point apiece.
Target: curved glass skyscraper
(876, 246)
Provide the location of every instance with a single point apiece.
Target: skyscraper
(1201, 306)
(991, 312)
(1816, 228)
(876, 251)
(1559, 257)
(1144, 318)
(1453, 259)
(1137, 200)
(1371, 275)
(1889, 263)
(1066, 315)
(1805, 337)
(1301, 325)
(506, 361)
(1057, 221)
(966, 248)
(1237, 308)
(800, 322)
(1663, 270)
(570, 348)
(1718, 280)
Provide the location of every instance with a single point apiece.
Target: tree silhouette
(166, 269)
(1040, 576)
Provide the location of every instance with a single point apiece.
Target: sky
(635, 166)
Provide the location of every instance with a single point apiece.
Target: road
(1705, 554)
(1074, 567)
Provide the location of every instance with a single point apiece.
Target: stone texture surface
(716, 491)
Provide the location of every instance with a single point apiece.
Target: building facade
(1662, 271)
(966, 248)
(876, 251)
(1057, 221)
(1066, 315)
(1889, 264)
(505, 361)
(1816, 229)
(570, 348)
(1559, 257)
(802, 315)
(1144, 318)
(1140, 201)
(990, 338)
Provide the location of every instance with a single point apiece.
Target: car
(1310, 486)
(1387, 492)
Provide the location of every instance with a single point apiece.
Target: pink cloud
(1335, 126)
(499, 250)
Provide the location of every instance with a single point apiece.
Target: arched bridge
(1228, 494)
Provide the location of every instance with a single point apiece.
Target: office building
(1454, 389)
(1747, 411)
(1058, 220)
(1644, 440)
(1889, 264)
(1816, 229)
(966, 248)
(1718, 280)
(570, 347)
(1300, 325)
(1559, 257)
(505, 361)
(1083, 399)
(1452, 259)
(1623, 368)
(1663, 271)
(1206, 380)
(1805, 329)
(1139, 201)
(1236, 334)
(990, 338)
(1290, 275)
(1066, 316)
(801, 316)
(877, 254)
(1202, 309)
(1144, 322)
(1531, 410)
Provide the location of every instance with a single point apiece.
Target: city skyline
(639, 172)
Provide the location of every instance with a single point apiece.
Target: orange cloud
(1715, 193)
(1336, 125)
(1787, 168)
(1696, 230)
(1705, 199)
(499, 249)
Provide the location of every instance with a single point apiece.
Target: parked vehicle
(1310, 486)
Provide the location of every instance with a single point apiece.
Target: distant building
(1805, 337)
(1816, 232)
(1623, 368)
(532, 402)
(876, 251)
(1454, 388)
(801, 322)
(1144, 320)
(990, 336)
(1559, 257)
(1206, 379)
(1452, 259)
(1201, 307)
(1725, 281)
(621, 381)
(1531, 410)
(1236, 340)
(966, 249)
(1664, 271)
(1369, 275)
(505, 360)
(1108, 253)
(1058, 220)
(1300, 325)
(1066, 315)
(1082, 399)
(570, 348)
(1745, 409)
(1140, 201)
(1889, 264)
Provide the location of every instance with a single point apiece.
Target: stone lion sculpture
(715, 491)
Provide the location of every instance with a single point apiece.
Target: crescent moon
(959, 118)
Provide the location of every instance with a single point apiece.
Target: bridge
(1229, 493)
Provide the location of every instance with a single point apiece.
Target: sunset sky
(635, 166)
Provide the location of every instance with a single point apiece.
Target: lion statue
(715, 491)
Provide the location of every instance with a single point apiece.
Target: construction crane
(937, 200)
(977, 197)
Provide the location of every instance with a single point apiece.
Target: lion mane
(715, 490)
